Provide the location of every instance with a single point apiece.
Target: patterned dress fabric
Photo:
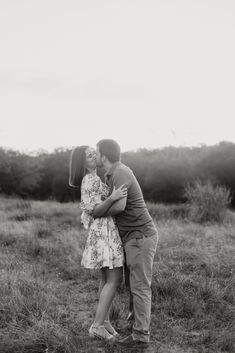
(103, 246)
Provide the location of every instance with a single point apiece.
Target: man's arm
(117, 207)
(101, 208)
(116, 196)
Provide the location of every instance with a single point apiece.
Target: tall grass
(164, 212)
(48, 300)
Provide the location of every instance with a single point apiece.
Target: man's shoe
(130, 342)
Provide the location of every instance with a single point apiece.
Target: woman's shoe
(110, 328)
(100, 332)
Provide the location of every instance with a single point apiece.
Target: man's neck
(107, 166)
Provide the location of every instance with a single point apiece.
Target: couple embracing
(121, 234)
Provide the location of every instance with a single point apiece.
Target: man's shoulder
(124, 168)
(122, 174)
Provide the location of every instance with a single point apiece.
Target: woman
(103, 248)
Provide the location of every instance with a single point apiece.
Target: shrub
(207, 203)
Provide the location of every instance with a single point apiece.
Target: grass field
(47, 300)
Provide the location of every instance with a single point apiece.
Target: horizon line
(66, 148)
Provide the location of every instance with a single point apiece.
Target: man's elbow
(121, 205)
(122, 208)
(118, 209)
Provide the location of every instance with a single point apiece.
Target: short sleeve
(121, 177)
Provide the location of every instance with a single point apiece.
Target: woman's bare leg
(101, 286)
(102, 280)
(113, 280)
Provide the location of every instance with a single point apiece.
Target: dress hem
(98, 268)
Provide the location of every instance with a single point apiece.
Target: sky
(147, 73)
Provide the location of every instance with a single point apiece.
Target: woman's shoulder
(90, 177)
(90, 180)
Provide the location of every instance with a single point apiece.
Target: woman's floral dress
(103, 246)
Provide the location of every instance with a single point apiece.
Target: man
(138, 234)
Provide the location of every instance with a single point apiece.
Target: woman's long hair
(77, 168)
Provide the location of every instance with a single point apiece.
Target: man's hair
(110, 149)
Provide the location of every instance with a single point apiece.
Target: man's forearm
(101, 209)
(114, 209)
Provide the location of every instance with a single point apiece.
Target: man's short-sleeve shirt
(136, 214)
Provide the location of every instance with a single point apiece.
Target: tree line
(162, 173)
